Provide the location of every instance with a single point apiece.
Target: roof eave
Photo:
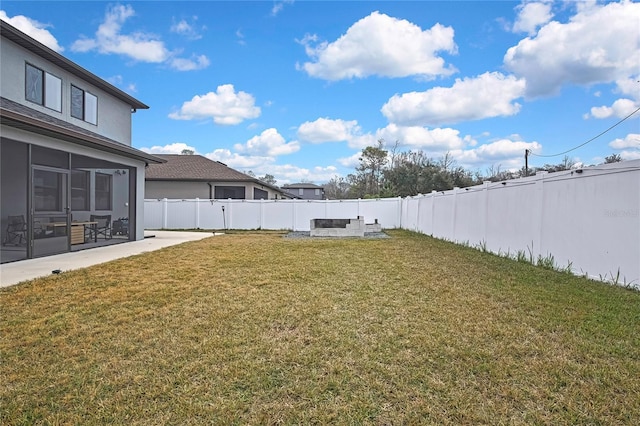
(23, 40)
(13, 119)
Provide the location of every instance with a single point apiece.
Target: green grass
(254, 328)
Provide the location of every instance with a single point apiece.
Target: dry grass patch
(259, 329)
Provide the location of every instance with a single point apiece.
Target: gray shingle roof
(193, 168)
(22, 117)
(302, 185)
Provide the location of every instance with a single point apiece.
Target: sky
(296, 89)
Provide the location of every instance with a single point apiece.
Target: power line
(590, 140)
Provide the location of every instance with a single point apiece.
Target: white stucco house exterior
(66, 154)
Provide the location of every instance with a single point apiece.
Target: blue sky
(297, 89)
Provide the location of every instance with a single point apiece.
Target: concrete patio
(16, 272)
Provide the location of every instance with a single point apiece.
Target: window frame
(86, 109)
(45, 97)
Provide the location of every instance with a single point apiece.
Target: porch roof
(22, 117)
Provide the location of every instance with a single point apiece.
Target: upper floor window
(84, 105)
(43, 88)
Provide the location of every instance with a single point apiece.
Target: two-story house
(305, 190)
(68, 171)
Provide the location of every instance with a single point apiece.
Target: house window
(43, 88)
(317, 192)
(84, 105)
(79, 190)
(103, 191)
(233, 192)
(259, 194)
(301, 191)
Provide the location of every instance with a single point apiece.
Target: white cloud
(328, 130)
(600, 44)
(620, 108)
(531, 16)
(629, 87)
(504, 152)
(195, 63)
(278, 6)
(632, 140)
(288, 173)
(139, 46)
(174, 148)
(371, 47)
(352, 161)
(186, 29)
(488, 95)
(269, 143)
(261, 165)
(630, 155)
(33, 29)
(416, 137)
(224, 106)
(237, 161)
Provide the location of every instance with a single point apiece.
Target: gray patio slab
(16, 272)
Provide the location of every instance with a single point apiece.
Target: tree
(337, 188)
(613, 158)
(370, 170)
(187, 152)
(566, 164)
(269, 179)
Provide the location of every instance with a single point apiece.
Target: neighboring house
(194, 176)
(65, 153)
(306, 191)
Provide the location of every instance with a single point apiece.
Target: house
(305, 190)
(68, 170)
(195, 176)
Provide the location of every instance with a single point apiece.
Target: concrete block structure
(338, 227)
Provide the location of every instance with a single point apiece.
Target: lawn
(255, 328)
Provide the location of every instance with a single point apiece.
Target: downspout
(210, 190)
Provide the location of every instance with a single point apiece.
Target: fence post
(229, 213)
(433, 212)
(197, 213)
(539, 199)
(456, 189)
(293, 214)
(485, 212)
(165, 207)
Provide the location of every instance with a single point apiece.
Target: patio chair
(16, 231)
(103, 226)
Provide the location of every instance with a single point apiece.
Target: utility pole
(526, 162)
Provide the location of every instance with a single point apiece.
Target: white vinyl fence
(293, 215)
(587, 220)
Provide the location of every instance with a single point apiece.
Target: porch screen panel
(47, 191)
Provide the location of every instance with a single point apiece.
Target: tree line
(386, 173)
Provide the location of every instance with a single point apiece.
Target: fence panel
(512, 219)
